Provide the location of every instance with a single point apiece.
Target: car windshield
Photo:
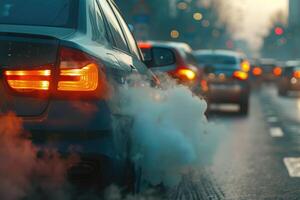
(53, 13)
(216, 59)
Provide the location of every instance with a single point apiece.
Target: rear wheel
(244, 107)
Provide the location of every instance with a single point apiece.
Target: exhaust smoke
(167, 128)
(22, 173)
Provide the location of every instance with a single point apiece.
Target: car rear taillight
(240, 75)
(204, 85)
(296, 74)
(144, 45)
(245, 66)
(77, 75)
(84, 79)
(277, 71)
(185, 74)
(80, 74)
(77, 71)
(28, 80)
(257, 71)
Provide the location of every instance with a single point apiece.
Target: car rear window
(268, 67)
(217, 59)
(54, 13)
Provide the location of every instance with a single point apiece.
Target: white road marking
(272, 119)
(276, 132)
(293, 166)
(225, 107)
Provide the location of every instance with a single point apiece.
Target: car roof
(221, 52)
(168, 44)
(267, 61)
(292, 63)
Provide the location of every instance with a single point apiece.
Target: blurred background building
(283, 40)
(206, 24)
(294, 13)
(196, 22)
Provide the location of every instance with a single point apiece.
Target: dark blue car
(60, 63)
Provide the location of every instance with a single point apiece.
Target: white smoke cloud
(167, 128)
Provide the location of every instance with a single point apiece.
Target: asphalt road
(254, 157)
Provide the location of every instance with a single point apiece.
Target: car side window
(131, 41)
(99, 33)
(120, 41)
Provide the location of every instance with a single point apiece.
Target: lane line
(293, 166)
(276, 132)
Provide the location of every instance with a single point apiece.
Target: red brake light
(204, 85)
(240, 75)
(144, 45)
(296, 74)
(257, 71)
(28, 80)
(277, 71)
(77, 71)
(84, 79)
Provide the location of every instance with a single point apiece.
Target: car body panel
(83, 124)
(183, 59)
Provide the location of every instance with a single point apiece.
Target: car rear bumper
(227, 93)
(80, 126)
(80, 142)
(288, 84)
(294, 87)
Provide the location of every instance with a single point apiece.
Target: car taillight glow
(28, 80)
(77, 72)
(296, 74)
(257, 71)
(204, 85)
(186, 74)
(84, 79)
(240, 75)
(245, 66)
(277, 71)
(77, 75)
(144, 45)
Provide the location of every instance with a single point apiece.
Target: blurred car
(175, 59)
(290, 79)
(59, 60)
(227, 78)
(266, 70)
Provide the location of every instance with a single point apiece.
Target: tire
(244, 107)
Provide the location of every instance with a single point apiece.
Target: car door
(120, 46)
(133, 47)
(100, 42)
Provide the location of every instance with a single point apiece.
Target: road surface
(254, 157)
